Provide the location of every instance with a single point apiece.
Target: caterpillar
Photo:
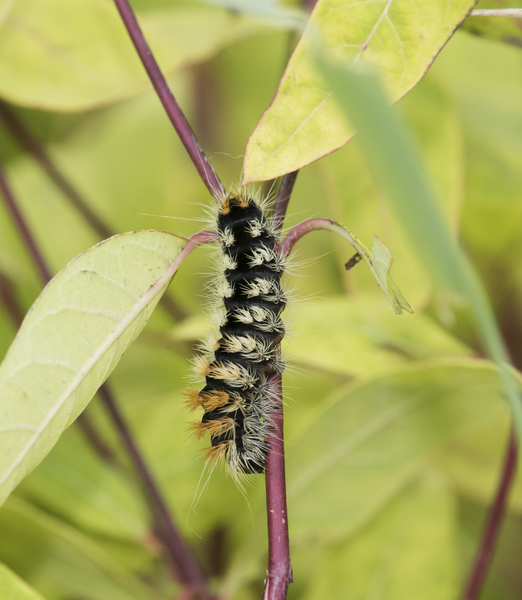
(238, 362)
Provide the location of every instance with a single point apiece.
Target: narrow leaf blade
(13, 588)
(390, 152)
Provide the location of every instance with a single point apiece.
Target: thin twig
(283, 198)
(25, 232)
(93, 437)
(279, 574)
(494, 12)
(492, 529)
(174, 112)
(35, 149)
(10, 302)
(187, 569)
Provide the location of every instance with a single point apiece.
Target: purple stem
(32, 146)
(26, 234)
(297, 232)
(492, 529)
(176, 116)
(187, 569)
(283, 198)
(10, 302)
(279, 574)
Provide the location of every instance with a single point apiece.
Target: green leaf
(71, 56)
(74, 483)
(13, 588)
(408, 551)
(360, 336)
(366, 442)
(62, 561)
(304, 122)
(382, 260)
(379, 264)
(72, 339)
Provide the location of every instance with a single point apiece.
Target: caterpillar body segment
(238, 364)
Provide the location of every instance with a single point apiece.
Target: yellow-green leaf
(70, 56)
(72, 339)
(368, 440)
(408, 551)
(304, 123)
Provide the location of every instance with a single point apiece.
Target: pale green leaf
(408, 551)
(367, 441)
(74, 483)
(379, 264)
(73, 338)
(382, 260)
(360, 336)
(304, 122)
(71, 56)
(14, 588)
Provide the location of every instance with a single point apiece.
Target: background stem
(25, 138)
(25, 232)
(491, 532)
(186, 567)
(35, 149)
(174, 112)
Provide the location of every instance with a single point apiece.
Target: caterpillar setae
(237, 364)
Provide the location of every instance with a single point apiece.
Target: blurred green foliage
(396, 427)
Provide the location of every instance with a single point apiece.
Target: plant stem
(492, 529)
(297, 232)
(174, 112)
(283, 198)
(10, 302)
(500, 12)
(16, 213)
(279, 574)
(187, 569)
(34, 148)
